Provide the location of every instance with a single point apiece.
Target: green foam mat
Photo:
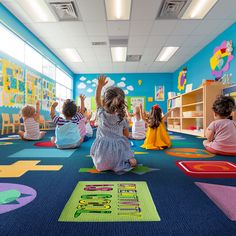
(110, 201)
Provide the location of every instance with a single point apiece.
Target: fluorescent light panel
(166, 53)
(198, 9)
(118, 9)
(37, 10)
(118, 54)
(71, 54)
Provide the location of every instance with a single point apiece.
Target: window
(33, 58)
(11, 44)
(63, 78)
(48, 69)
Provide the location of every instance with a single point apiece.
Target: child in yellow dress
(157, 137)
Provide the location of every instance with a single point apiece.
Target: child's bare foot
(133, 162)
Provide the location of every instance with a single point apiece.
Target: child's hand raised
(102, 81)
(82, 97)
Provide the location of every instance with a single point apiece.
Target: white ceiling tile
(118, 28)
(145, 9)
(149, 55)
(72, 28)
(156, 41)
(92, 10)
(185, 27)
(224, 9)
(163, 27)
(96, 28)
(137, 41)
(135, 51)
(140, 27)
(176, 40)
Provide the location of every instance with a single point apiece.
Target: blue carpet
(184, 209)
(43, 153)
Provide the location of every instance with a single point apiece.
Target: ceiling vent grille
(133, 58)
(99, 43)
(65, 10)
(118, 42)
(173, 9)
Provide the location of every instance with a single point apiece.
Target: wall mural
(220, 61)
(90, 85)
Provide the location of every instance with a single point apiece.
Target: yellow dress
(157, 138)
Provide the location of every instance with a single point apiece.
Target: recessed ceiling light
(118, 9)
(198, 9)
(71, 54)
(37, 10)
(118, 54)
(166, 53)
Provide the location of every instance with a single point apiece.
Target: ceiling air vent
(99, 43)
(173, 9)
(65, 10)
(122, 42)
(133, 58)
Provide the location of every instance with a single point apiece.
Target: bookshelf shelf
(197, 106)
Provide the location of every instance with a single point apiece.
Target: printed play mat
(110, 201)
(208, 169)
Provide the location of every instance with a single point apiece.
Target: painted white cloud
(95, 81)
(121, 84)
(89, 90)
(89, 82)
(123, 79)
(82, 86)
(130, 88)
(126, 91)
(82, 78)
(94, 85)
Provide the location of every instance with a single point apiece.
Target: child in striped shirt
(67, 133)
(31, 123)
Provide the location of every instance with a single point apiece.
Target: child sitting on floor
(89, 130)
(157, 137)
(221, 133)
(31, 123)
(67, 131)
(138, 124)
(111, 148)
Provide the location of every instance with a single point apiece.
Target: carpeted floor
(183, 208)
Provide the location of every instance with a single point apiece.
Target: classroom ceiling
(146, 35)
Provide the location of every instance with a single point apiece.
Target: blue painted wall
(145, 89)
(14, 24)
(198, 67)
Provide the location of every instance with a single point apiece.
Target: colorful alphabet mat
(110, 201)
(208, 169)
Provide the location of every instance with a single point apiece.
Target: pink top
(225, 135)
(82, 127)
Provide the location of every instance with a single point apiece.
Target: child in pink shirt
(221, 133)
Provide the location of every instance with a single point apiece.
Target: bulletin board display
(33, 88)
(48, 93)
(12, 84)
(132, 102)
(89, 103)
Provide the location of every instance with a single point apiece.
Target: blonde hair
(28, 111)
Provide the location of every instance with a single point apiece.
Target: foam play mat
(208, 169)
(223, 196)
(110, 201)
(14, 196)
(189, 153)
(43, 153)
(44, 144)
(176, 137)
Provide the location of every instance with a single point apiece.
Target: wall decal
(182, 79)
(220, 61)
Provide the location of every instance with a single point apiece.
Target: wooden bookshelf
(193, 111)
